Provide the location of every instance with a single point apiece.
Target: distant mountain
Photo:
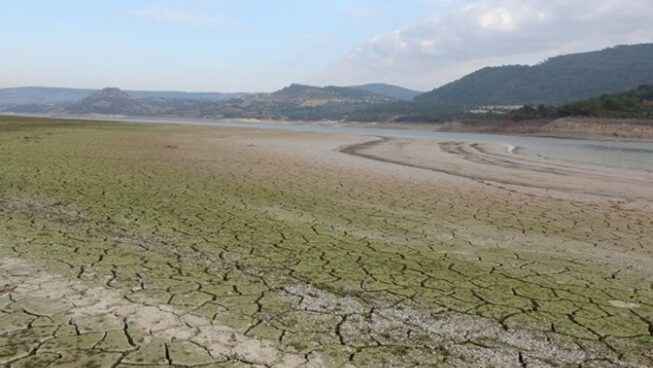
(388, 90)
(51, 96)
(42, 95)
(295, 102)
(302, 102)
(559, 80)
(298, 92)
(188, 96)
(110, 101)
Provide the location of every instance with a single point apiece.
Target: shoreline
(502, 166)
(567, 128)
(582, 128)
(570, 148)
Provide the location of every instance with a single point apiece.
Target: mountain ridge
(109, 101)
(39, 95)
(557, 80)
(304, 91)
(389, 90)
(58, 95)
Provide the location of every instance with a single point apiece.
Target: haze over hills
(293, 102)
(109, 101)
(55, 95)
(42, 95)
(558, 80)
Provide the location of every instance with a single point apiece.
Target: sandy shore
(572, 128)
(503, 166)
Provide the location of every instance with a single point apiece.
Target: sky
(247, 45)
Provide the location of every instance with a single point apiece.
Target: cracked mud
(248, 248)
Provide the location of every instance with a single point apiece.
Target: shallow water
(616, 154)
(626, 155)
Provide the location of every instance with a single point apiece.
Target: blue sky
(246, 45)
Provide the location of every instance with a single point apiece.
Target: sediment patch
(103, 320)
(502, 166)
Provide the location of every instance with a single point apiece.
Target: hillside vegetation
(637, 103)
(634, 104)
(388, 90)
(559, 80)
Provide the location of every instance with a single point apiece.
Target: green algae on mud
(336, 265)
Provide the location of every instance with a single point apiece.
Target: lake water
(618, 154)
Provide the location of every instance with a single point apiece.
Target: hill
(302, 102)
(187, 96)
(558, 80)
(633, 104)
(300, 92)
(390, 91)
(53, 95)
(637, 103)
(110, 101)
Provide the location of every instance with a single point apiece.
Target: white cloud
(162, 14)
(497, 20)
(488, 32)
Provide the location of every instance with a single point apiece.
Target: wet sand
(504, 166)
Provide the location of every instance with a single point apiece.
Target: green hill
(637, 103)
(304, 92)
(634, 104)
(388, 90)
(556, 81)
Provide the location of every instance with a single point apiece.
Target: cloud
(161, 14)
(490, 32)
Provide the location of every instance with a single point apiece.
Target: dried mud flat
(150, 246)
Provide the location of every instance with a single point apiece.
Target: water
(617, 154)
